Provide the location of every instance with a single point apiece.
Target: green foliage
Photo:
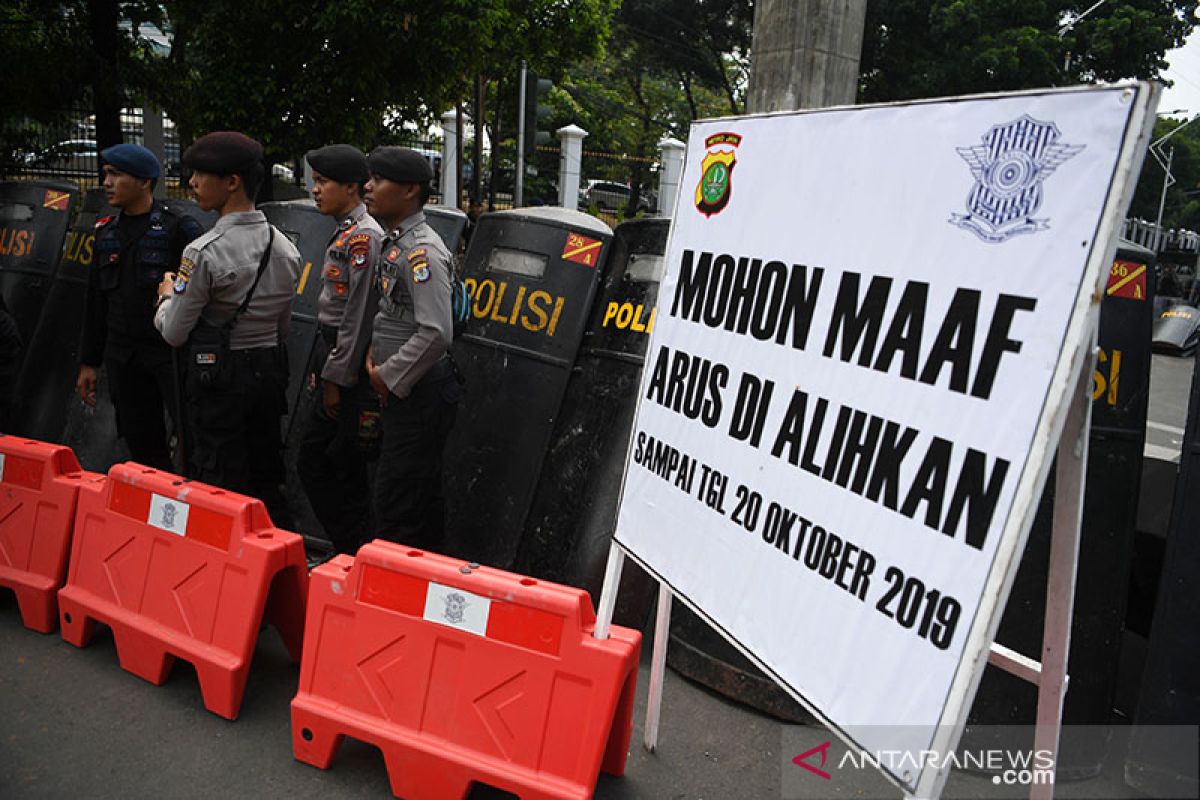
(667, 63)
(1180, 210)
(49, 64)
(932, 48)
(302, 73)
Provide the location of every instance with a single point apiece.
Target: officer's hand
(85, 384)
(331, 398)
(378, 385)
(167, 287)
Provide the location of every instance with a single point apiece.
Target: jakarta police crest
(1009, 168)
(716, 173)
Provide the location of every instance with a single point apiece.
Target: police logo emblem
(716, 173)
(168, 516)
(420, 273)
(1009, 168)
(456, 605)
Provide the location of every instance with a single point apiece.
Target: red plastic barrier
(462, 676)
(39, 486)
(184, 570)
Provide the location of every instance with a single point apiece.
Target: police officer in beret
(133, 249)
(230, 305)
(408, 362)
(332, 462)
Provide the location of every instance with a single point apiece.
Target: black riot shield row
(532, 274)
(1120, 398)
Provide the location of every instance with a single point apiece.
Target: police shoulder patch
(360, 246)
(420, 272)
(417, 254)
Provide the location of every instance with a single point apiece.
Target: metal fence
(68, 150)
(1156, 238)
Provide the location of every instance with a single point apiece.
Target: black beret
(339, 162)
(223, 153)
(400, 164)
(132, 159)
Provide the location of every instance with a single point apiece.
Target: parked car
(610, 196)
(71, 154)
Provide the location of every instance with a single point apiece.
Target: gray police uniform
(235, 421)
(410, 343)
(348, 295)
(332, 462)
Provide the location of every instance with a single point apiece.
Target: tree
(303, 73)
(931, 48)
(668, 63)
(55, 54)
(1182, 207)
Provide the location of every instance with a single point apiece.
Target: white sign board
(868, 325)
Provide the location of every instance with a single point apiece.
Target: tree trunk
(107, 91)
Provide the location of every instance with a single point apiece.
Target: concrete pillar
(448, 182)
(670, 152)
(805, 54)
(154, 141)
(570, 163)
(308, 176)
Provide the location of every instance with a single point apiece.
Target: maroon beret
(223, 153)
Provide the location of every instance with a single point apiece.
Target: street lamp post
(1165, 161)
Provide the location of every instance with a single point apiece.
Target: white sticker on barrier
(457, 608)
(168, 514)
(1, 467)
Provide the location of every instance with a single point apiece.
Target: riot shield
(574, 511)
(33, 222)
(533, 275)
(310, 231)
(1161, 760)
(449, 223)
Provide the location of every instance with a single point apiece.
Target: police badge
(716, 172)
(1009, 169)
(456, 606)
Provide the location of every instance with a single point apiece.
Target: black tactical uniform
(410, 344)
(332, 462)
(131, 255)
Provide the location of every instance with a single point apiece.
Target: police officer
(236, 365)
(408, 363)
(332, 462)
(132, 252)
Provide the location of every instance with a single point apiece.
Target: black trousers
(142, 388)
(332, 464)
(236, 443)
(409, 508)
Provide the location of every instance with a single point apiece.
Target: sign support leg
(658, 663)
(1060, 585)
(608, 591)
